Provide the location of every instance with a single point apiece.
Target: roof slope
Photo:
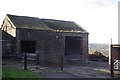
(27, 22)
(62, 25)
(44, 24)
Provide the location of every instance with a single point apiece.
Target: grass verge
(14, 73)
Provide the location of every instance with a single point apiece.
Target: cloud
(102, 3)
(98, 17)
(96, 3)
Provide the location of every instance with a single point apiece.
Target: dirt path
(89, 70)
(59, 75)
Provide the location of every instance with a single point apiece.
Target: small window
(28, 46)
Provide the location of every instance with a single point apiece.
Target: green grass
(104, 72)
(14, 73)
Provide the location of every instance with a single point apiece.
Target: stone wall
(7, 44)
(50, 45)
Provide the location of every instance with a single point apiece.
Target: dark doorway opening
(28, 46)
(73, 46)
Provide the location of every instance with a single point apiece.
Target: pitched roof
(62, 25)
(27, 22)
(45, 24)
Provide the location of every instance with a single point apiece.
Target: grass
(117, 74)
(14, 73)
(104, 72)
(107, 73)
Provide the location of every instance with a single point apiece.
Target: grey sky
(98, 17)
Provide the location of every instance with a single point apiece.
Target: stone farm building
(49, 38)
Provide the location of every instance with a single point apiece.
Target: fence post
(112, 64)
(61, 66)
(25, 60)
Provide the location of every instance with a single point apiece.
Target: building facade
(49, 39)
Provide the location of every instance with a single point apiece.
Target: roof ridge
(57, 20)
(41, 18)
(21, 16)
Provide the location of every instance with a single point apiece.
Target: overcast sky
(98, 17)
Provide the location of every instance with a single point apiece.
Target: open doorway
(28, 46)
(73, 46)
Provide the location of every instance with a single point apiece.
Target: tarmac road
(59, 75)
(67, 76)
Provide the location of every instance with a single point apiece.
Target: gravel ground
(59, 75)
(91, 69)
